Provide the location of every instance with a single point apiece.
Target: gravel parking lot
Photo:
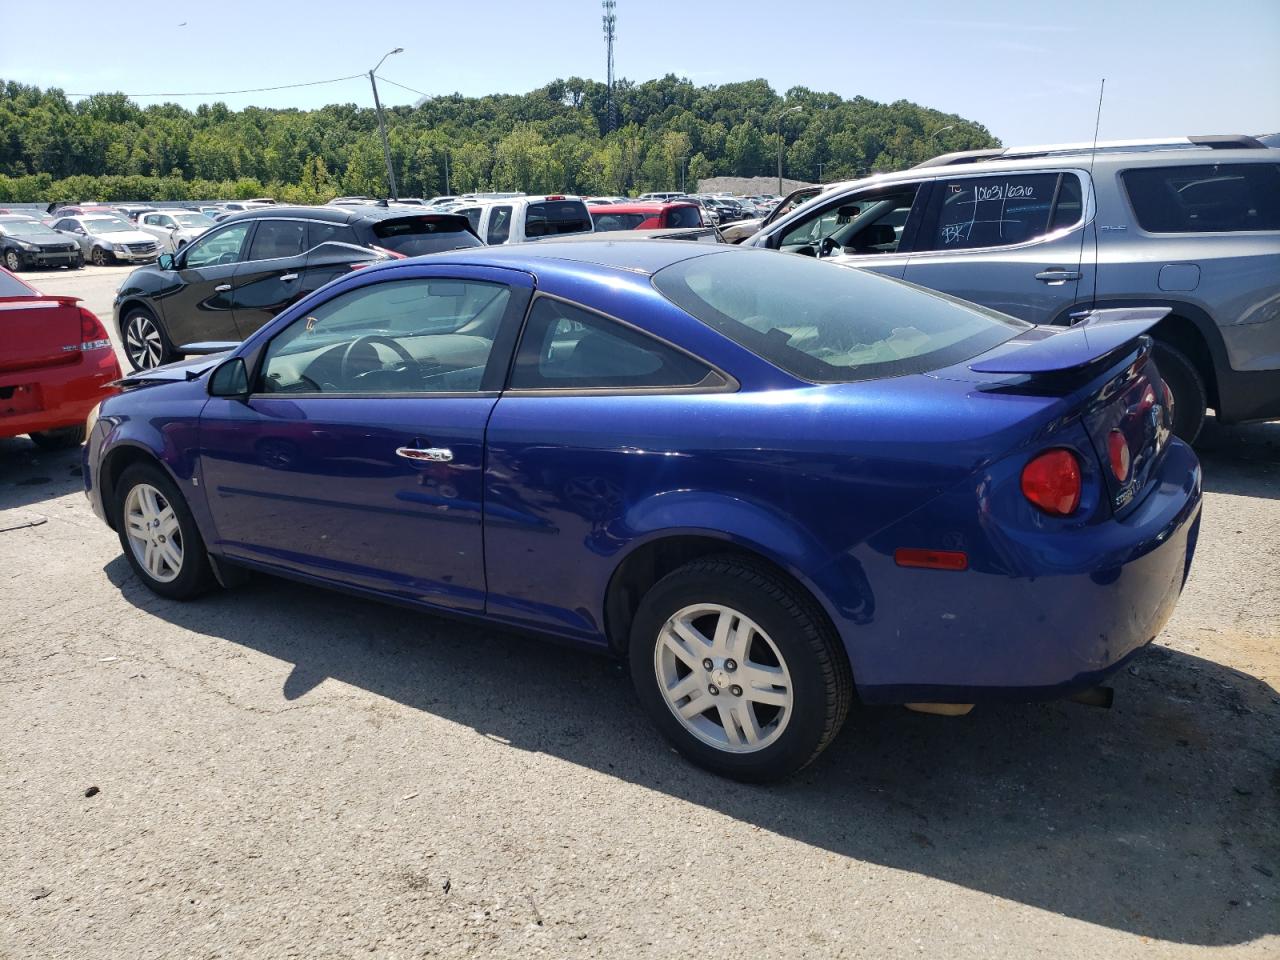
(280, 771)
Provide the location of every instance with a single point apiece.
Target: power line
(402, 86)
(225, 93)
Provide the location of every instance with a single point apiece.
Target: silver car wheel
(12, 261)
(154, 533)
(142, 341)
(722, 677)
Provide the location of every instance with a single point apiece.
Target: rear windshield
(13, 287)
(415, 236)
(1205, 198)
(619, 221)
(552, 217)
(830, 324)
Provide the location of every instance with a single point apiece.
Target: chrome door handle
(289, 276)
(1058, 276)
(222, 288)
(430, 454)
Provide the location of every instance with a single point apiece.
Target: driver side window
(424, 335)
(218, 248)
(857, 225)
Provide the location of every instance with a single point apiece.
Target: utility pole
(382, 124)
(446, 173)
(610, 22)
(820, 166)
(780, 116)
(683, 162)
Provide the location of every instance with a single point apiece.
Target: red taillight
(1052, 482)
(931, 559)
(93, 335)
(1118, 451)
(390, 253)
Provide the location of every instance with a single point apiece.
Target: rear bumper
(49, 398)
(1057, 614)
(1252, 395)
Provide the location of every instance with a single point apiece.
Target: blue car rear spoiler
(1100, 333)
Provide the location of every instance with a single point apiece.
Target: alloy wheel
(723, 678)
(11, 261)
(154, 532)
(99, 257)
(143, 342)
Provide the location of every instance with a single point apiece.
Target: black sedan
(238, 275)
(28, 243)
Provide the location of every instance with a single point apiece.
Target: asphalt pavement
(281, 771)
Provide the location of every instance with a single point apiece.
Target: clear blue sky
(1028, 69)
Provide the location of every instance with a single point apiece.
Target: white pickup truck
(518, 219)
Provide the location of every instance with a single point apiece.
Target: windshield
(107, 225)
(830, 324)
(26, 228)
(197, 221)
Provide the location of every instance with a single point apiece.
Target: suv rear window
(618, 221)
(552, 217)
(827, 323)
(414, 236)
(1205, 198)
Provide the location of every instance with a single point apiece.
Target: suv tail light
(1051, 482)
(93, 335)
(390, 253)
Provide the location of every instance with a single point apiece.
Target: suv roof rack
(1228, 142)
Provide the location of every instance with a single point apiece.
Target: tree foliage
(552, 139)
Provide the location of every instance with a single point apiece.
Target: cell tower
(610, 22)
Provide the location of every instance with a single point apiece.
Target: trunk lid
(1105, 364)
(38, 332)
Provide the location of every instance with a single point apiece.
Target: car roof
(644, 206)
(637, 256)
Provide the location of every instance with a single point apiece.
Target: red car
(645, 216)
(56, 364)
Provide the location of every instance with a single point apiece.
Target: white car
(106, 240)
(518, 219)
(174, 228)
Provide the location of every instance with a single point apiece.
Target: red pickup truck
(56, 364)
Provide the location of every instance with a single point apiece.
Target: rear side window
(414, 236)
(970, 212)
(275, 239)
(1215, 197)
(827, 323)
(553, 217)
(13, 287)
(499, 225)
(566, 347)
(318, 233)
(619, 221)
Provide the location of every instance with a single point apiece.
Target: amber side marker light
(931, 559)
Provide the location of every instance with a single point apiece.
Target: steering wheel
(827, 246)
(344, 368)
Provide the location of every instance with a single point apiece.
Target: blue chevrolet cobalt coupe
(769, 483)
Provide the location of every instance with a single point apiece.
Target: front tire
(100, 257)
(159, 535)
(145, 343)
(12, 261)
(739, 670)
(1187, 386)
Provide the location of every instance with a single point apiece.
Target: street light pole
(382, 124)
(820, 166)
(780, 116)
(683, 161)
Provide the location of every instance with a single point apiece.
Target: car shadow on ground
(1242, 459)
(29, 475)
(1158, 817)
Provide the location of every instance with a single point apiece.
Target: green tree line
(554, 139)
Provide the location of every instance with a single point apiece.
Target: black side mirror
(231, 380)
(165, 261)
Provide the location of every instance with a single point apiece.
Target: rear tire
(64, 438)
(145, 343)
(159, 535)
(1187, 386)
(779, 687)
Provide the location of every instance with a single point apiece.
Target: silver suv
(1049, 233)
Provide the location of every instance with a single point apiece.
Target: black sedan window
(827, 323)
